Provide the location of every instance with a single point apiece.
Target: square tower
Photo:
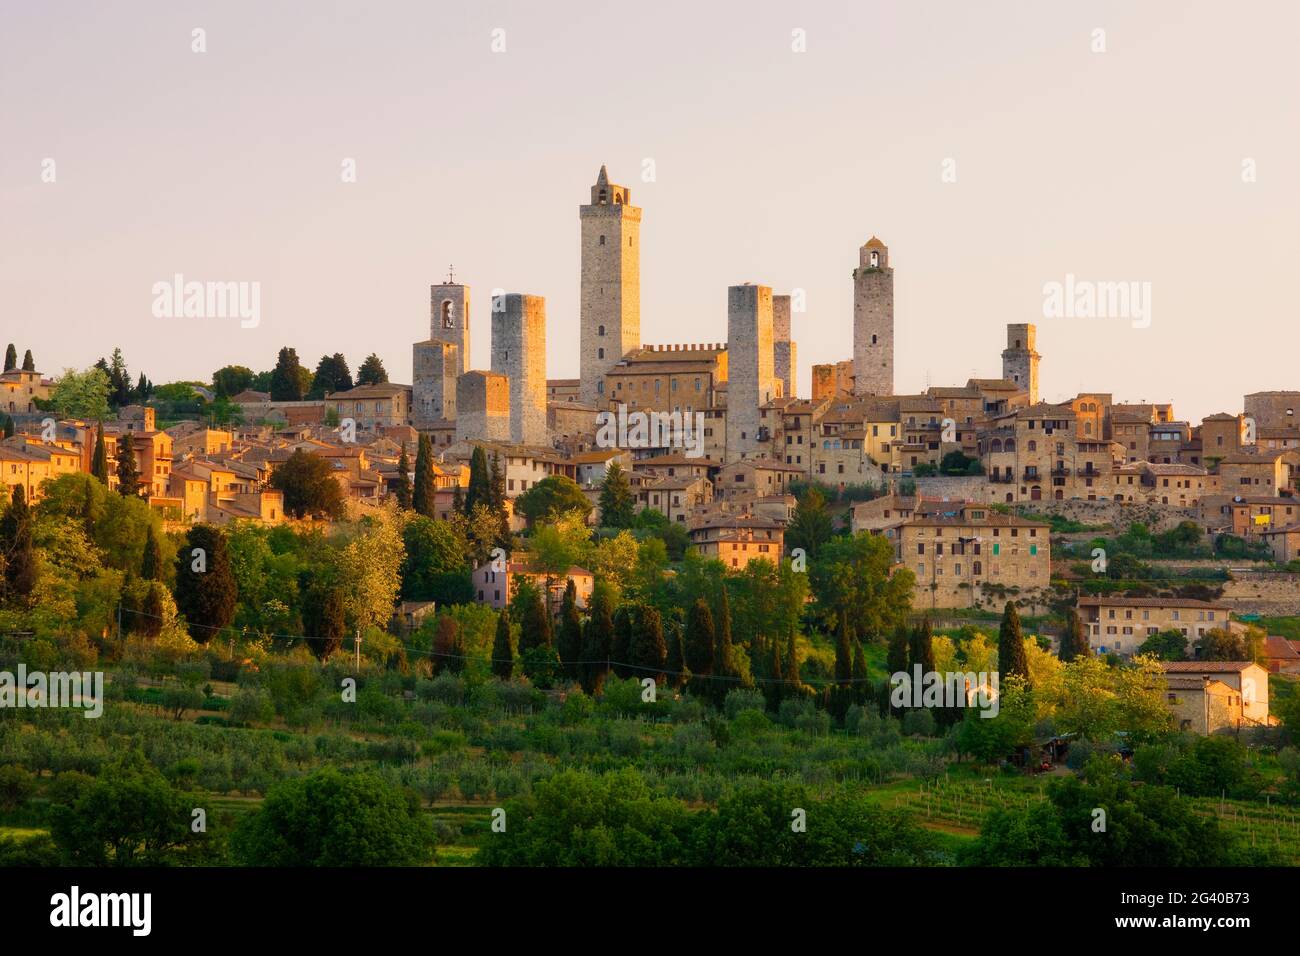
(873, 321)
(751, 372)
(610, 293)
(436, 367)
(483, 406)
(519, 353)
(449, 319)
(783, 350)
(1020, 360)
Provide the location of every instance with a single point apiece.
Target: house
(1203, 705)
(1248, 681)
(1283, 656)
(1119, 625)
(495, 587)
(737, 539)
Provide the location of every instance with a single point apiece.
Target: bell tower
(610, 292)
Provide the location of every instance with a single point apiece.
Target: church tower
(1020, 359)
(610, 294)
(873, 321)
(449, 318)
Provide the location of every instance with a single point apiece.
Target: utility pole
(357, 639)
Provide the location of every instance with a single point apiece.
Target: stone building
(1120, 625)
(751, 374)
(610, 291)
(436, 366)
(482, 407)
(784, 352)
(873, 321)
(1020, 359)
(667, 378)
(519, 353)
(449, 319)
(373, 406)
(832, 380)
(1273, 409)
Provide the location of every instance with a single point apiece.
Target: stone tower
(751, 373)
(1020, 360)
(483, 406)
(449, 319)
(873, 321)
(519, 353)
(610, 294)
(783, 350)
(436, 367)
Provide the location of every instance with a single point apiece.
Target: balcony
(1001, 479)
(1060, 471)
(1031, 474)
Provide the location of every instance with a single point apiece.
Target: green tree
(921, 646)
(325, 620)
(17, 550)
(309, 486)
(81, 395)
(99, 463)
(151, 560)
(724, 668)
(1220, 644)
(896, 661)
(503, 658)
(597, 640)
(617, 503)
(153, 610)
(434, 566)
(446, 645)
(480, 487)
(624, 634)
(334, 818)
(206, 590)
(1074, 643)
(1012, 659)
(811, 525)
(552, 497)
(534, 617)
(424, 500)
(569, 644)
(649, 651)
(29, 363)
(11, 358)
(128, 476)
(372, 371)
(1169, 645)
(403, 493)
(856, 575)
(9, 428)
(286, 377)
(230, 380)
(700, 637)
(332, 375)
(677, 672)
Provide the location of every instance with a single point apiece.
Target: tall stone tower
(873, 321)
(436, 367)
(483, 406)
(751, 372)
(519, 353)
(783, 350)
(449, 318)
(610, 296)
(1020, 360)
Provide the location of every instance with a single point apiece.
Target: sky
(995, 147)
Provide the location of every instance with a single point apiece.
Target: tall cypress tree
(9, 426)
(597, 642)
(649, 652)
(128, 478)
(861, 676)
(843, 652)
(624, 632)
(446, 638)
(676, 655)
(723, 669)
(569, 645)
(287, 377)
(774, 687)
(497, 485)
(425, 486)
(503, 659)
(152, 611)
(325, 619)
(617, 503)
(921, 646)
(1073, 642)
(151, 560)
(480, 482)
(404, 480)
(699, 646)
(29, 364)
(16, 546)
(790, 663)
(896, 657)
(99, 464)
(11, 358)
(1012, 659)
(534, 619)
(206, 590)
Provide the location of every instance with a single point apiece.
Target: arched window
(1011, 444)
(600, 353)
(600, 330)
(873, 340)
(448, 314)
(875, 260)
(996, 445)
(1033, 446)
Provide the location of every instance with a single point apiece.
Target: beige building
(1120, 625)
(372, 406)
(496, 588)
(1247, 681)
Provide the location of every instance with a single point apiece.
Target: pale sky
(771, 166)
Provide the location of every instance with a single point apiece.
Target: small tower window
(600, 330)
(448, 314)
(873, 340)
(875, 260)
(600, 353)
(602, 240)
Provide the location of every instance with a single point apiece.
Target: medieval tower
(449, 319)
(1020, 360)
(483, 407)
(519, 353)
(610, 294)
(873, 321)
(783, 350)
(751, 372)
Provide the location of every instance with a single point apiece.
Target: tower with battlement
(751, 372)
(519, 353)
(610, 293)
(873, 321)
(1020, 360)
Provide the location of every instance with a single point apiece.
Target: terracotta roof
(1205, 667)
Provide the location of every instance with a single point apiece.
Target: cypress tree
(152, 611)
(569, 644)
(843, 652)
(425, 487)
(649, 651)
(88, 511)
(99, 464)
(597, 642)
(862, 689)
(9, 427)
(287, 377)
(446, 638)
(621, 651)
(480, 482)
(497, 485)
(1073, 642)
(921, 646)
(128, 478)
(404, 480)
(1012, 659)
(503, 659)
(457, 498)
(896, 657)
(723, 671)
(16, 547)
(151, 560)
(325, 620)
(676, 656)
(790, 663)
(774, 687)
(205, 597)
(534, 620)
(11, 358)
(617, 503)
(29, 364)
